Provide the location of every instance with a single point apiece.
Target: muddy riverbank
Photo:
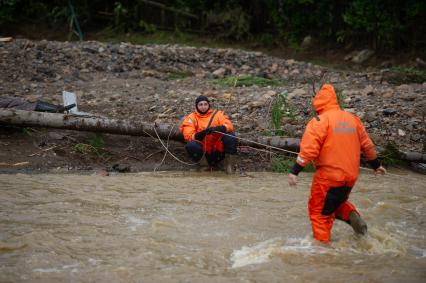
(158, 83)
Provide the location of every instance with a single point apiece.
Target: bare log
(290, 144)
(83, 123)
(122, 127)
(413, 156)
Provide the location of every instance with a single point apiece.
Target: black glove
(221, 129)
(201, 135)
(375, 163)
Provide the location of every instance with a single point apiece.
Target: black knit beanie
(201, 98)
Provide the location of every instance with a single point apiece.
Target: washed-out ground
(57, 151)
(159, 83)
(193, 226)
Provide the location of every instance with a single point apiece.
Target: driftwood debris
(122, 127)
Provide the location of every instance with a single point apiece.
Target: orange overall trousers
(328, 200)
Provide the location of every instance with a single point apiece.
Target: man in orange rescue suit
(203, 130)
(333, 141)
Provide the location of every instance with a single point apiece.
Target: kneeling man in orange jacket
(209, 132)
(333, 140)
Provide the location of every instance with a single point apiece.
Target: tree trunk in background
(113, 126)
(121, 127)
(83, 123)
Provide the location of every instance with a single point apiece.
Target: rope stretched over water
(296, 153)
(168, 151)
(165, 153)
(258, 143)
(254, 142)
(193, 164)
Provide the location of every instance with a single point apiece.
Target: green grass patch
(96, 140)
(27, 131)
(281, 108)
(281, 165)
(268, 133)
(277, 114)
(248, 80)
(178, 75)
(340, 98)
(84, 148)
(407, 75)
(390, 156)
(309, 168)
(95, 145)
(284, 164)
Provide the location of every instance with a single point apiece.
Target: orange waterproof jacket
(196, 122)
(334, 139)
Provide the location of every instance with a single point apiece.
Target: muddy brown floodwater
(199, 227)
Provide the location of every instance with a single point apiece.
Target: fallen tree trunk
(85, 123)
(122, 127)
(413, 156)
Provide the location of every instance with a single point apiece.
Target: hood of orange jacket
(325, 99)
(334, 140)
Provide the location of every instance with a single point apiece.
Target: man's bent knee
(195, 150)
(230, 143)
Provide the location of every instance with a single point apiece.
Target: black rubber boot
(42, 106)
(357, 223)
(229, 163)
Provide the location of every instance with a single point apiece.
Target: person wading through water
(333, 141)
(202, 130)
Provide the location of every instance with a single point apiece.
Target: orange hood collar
(325, 99)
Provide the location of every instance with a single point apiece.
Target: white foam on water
(262, 252)
(256, 254)
(56, 270)
(305, 245)
(402, 229)
(376, 242)
(419, 252)
(70, 266)
(47, 270)
(135, 222)
(94, 261)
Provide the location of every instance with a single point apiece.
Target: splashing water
(169, 227)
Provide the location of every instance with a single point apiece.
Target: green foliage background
(381, 24)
